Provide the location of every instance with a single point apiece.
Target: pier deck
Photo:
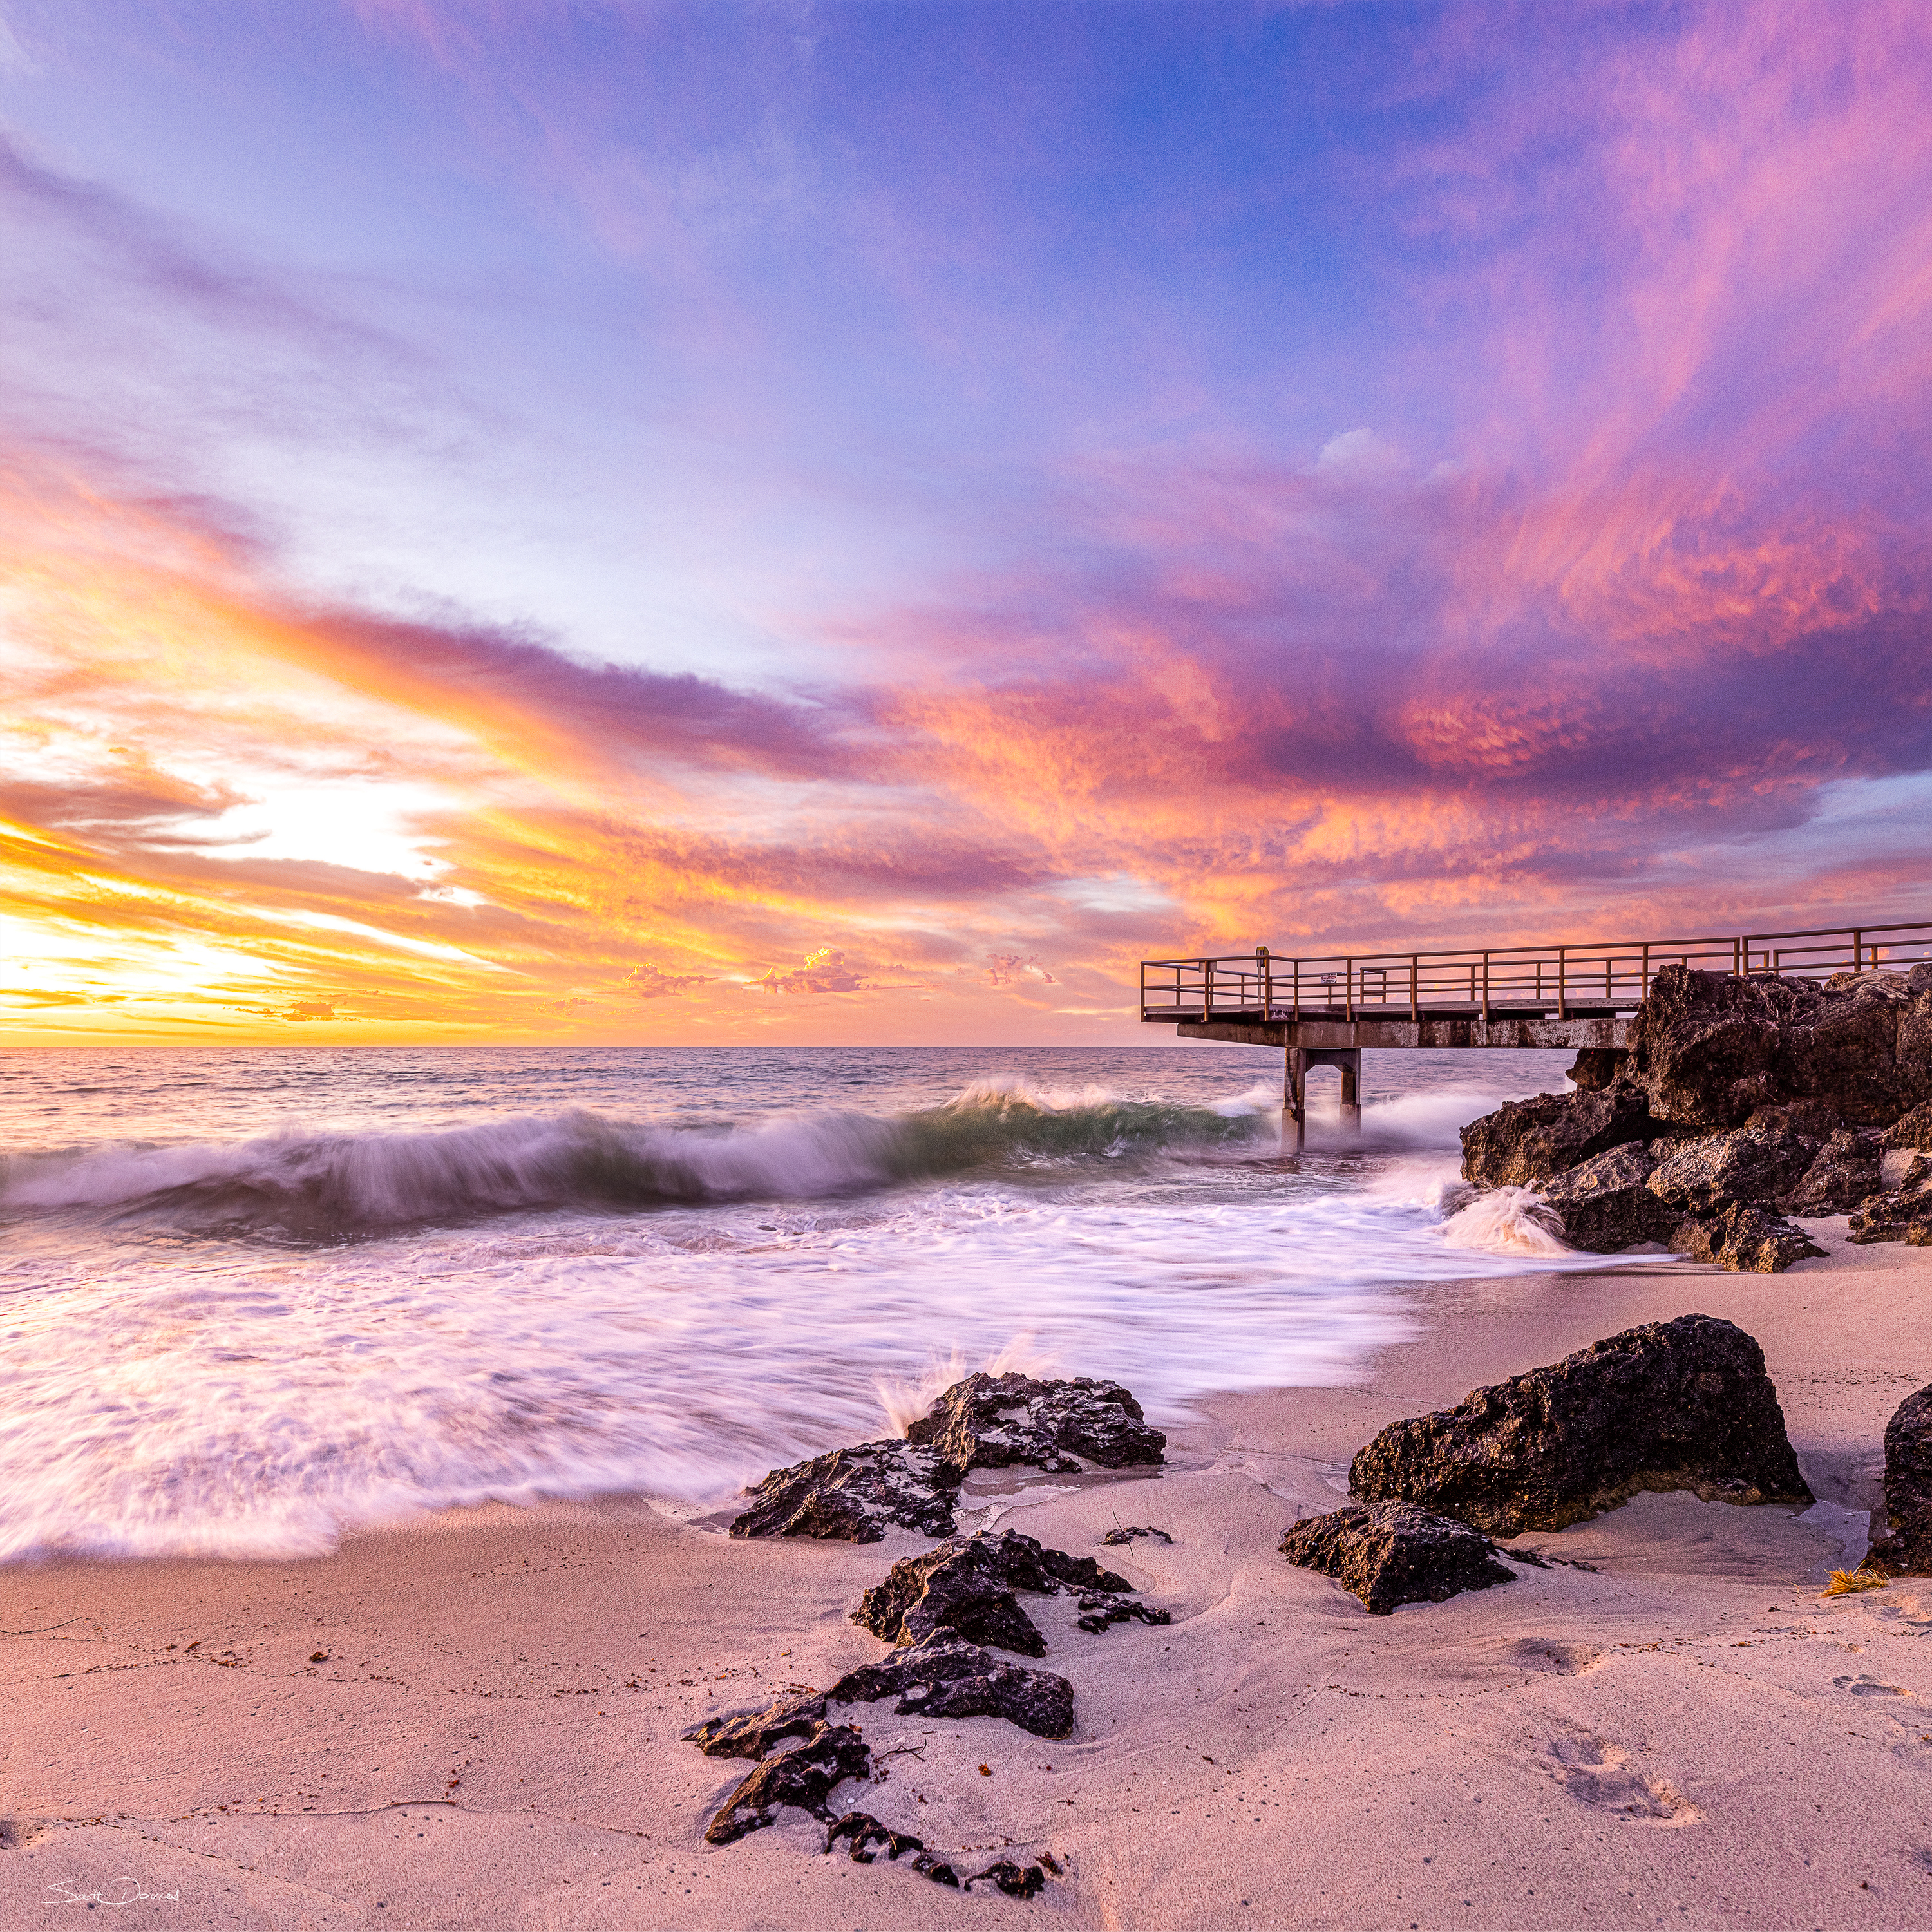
(1325, 1010)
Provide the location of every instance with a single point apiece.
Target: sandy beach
(473, 1720)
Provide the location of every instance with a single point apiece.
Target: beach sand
(1687, 1735)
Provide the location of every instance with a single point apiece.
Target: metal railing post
(1414, 1005)
(1562, 986)
(1858, 947)
(1206, 987)
(1348, 988)
(1486, 989)
(1297, 989)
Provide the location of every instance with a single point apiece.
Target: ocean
(252, 1301)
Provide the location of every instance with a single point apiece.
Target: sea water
(251, 1300)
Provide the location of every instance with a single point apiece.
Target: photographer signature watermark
(118, 1892)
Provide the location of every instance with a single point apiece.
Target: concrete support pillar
(1348, 1061)
(1350, 1064)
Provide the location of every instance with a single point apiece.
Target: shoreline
(1685, 1733)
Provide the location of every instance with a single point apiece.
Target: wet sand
(1685, 1735)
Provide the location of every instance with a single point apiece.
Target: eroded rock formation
(804, 1776)
(1737, 1103)
(989, 1422)
(857, 1494)
(946, 1677)
(1681, 1404)
(967, 1585)
(1907, 1550)
(1393, 1553)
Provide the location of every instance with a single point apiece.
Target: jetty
(1323, 1011)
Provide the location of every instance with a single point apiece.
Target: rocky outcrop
(944, 1677)
(1761, 1163)
(1607, 1203)
(1596, 1067)
(1526, 1141)
(1907, 1550)
(857, 1494)
(1911, 1130)
(1905, 1214)
(1744, 1239)
(755, 1733)
(1845, 1171)
(1708, 1050)
(1751, 1099)
(967, 1584)
(990, 1421)
(804, 1776)
(1681, 1404)
(1393, 1553)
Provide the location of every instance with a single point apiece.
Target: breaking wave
(319, 1187)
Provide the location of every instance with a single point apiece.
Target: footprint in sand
(1869, 1687)
(1601, 1774)
(1553, 1656)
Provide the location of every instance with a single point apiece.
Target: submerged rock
(1606, 1203)
(857, 1494)
(804, 1776)
(1744, 1239)
(1907, 1550)
(1524, 1142)
(990, 1421)
(1681, 1404)
(1392, 1553)
(967, 1585)
(753, 1732)
(944, 1677)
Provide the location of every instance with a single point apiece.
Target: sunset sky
(527, 520)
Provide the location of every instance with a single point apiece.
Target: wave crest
(324, 1187)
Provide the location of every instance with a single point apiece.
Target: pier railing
(1564, 982)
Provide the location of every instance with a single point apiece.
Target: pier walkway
(1323, 1011)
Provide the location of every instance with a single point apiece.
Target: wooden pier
(1325, 1011)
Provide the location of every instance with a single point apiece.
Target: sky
(529, 521)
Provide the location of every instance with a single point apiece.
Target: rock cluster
(1737, 1103)
(1681, 1404)
(940, 1610)
(1392, 1553)
(967, 1585)
(1906, 1551)
(987, 1421)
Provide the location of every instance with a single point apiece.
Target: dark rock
(863, 1832)
(1681, 1404)
(1911, 1130)
(1744, 1239)
(1115, 1537)
(1016, 1881)
(1905, 1214)
(804, 1776)
(1709, 1050)
(1598, 1067)
(1391, 1553)
(1758, 1163)
(1906, 1551)
(943, 1677)
(990, 1422)
(967, 1585)
(1845, 1173)
(751, 1733)
(1526, 1141)
(957, 1588)
(857, 1494)
(1100, 1608)
(1605, 1204)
